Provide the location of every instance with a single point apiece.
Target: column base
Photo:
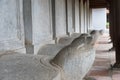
(29, 49)
(112, 49)
(115, 66)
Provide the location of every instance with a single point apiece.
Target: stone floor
(104, 59)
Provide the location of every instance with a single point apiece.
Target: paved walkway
(101, 68)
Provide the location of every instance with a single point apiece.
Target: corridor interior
(101, 69)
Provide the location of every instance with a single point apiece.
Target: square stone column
(27, 16)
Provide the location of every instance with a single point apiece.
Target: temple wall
(11, 25)
(32, 23)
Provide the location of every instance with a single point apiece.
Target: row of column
(65, 17)
(33, 23)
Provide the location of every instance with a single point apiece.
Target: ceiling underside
(98, 3)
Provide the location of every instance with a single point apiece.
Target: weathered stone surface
(8, 20)
(71, 63)
(50, 49)
(11, 26)
(75, 35)
(53, 49)
(66, 40)
(70, 17)
(77, 16)
(95, 35)
(60, 17)
(15, 66)
(41, 15)
(76, 59)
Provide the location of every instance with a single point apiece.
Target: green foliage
(107, 25)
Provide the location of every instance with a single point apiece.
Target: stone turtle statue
(76, 60)
(66, 40)
(53, 49)
(71, 63)
(96, 34)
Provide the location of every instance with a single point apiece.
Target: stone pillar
(53, 18)
(88, 15)
(60, 17)
(81, 17)
(43, 21)
(73, 14)
(70, 16)
(77, 14)
(27, 16)
(90, 19)
(85, 16)
(66, 8)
